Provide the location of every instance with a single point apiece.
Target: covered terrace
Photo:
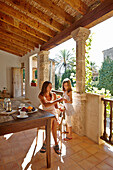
(29, 29)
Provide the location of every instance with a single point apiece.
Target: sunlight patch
(8, 136)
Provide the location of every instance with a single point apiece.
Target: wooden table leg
(48, 140)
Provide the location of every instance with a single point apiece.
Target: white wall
(89, 112)
(94, 117)
(30, 92)
(7, 61)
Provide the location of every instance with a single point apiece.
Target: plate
(22, 117)
(33, 111)
(30, 112)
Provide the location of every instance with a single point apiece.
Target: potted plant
(33, 83)
(4, 90)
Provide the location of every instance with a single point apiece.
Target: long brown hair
(44, 88)
(66, 80)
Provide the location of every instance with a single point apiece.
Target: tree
(68, 74)
(106, 75)
(64, 61)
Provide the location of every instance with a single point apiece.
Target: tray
(7, 113)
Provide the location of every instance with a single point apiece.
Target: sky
(102, 40)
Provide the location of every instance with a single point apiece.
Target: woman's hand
(60, 100)
(61, 109)
(65, 100)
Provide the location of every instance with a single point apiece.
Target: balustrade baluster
(104, 134)
(110, 122)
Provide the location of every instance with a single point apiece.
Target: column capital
(80, 33)
(43, 53)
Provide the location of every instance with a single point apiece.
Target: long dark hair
(44, 87)
(66, 80)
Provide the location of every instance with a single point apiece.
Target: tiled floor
(19, 151)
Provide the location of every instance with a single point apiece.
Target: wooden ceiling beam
(11, 51)
(18, 24)
(13, 41)
(12, 46)
(56, 10)
(92, 16)
(25, 42)
(78, 5)
(36, 14)
(18, 32)
(26, 19)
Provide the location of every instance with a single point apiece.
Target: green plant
(33, 81)
(106, 75)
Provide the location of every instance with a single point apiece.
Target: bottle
(4, 104)
(8, 106)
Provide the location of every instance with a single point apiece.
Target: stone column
(43, 67)
(80, 35)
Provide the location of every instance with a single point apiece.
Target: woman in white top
(69, 110)
(49, 103)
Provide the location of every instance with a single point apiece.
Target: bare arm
(49, 103)
(70, 96)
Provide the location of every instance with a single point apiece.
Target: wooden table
(35, 120)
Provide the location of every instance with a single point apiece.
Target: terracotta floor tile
(104, 166)
(2, 167)
(109, 161)
(6, 152)
(86, 164)
(77, 148)
(11, 165)
(92, 149)
(101, 155)
(20, 151)
(79, 156)
(84, 145)
(1, 159)
(68, 162)
(95, 168)
(57, 166)
(93, 160)
(69, 152)
(75, 167)
(87, 140)
(89, 163)
(7, 159)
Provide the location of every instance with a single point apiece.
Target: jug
(8, 105)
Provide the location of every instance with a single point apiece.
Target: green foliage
(88, 68)
(36, 74)
(64, 60)
(23, 73)
(33, 81)
(65, 67)
(106, 75)
(69, 74)
(57, 82)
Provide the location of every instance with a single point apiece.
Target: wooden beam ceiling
(37, 14)
(13, 41)
(57, 11)
(26, 19)
(90, 17)
(19, 32)
(23, 41)
(78, 5)
(26, 24)
(23, 27)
